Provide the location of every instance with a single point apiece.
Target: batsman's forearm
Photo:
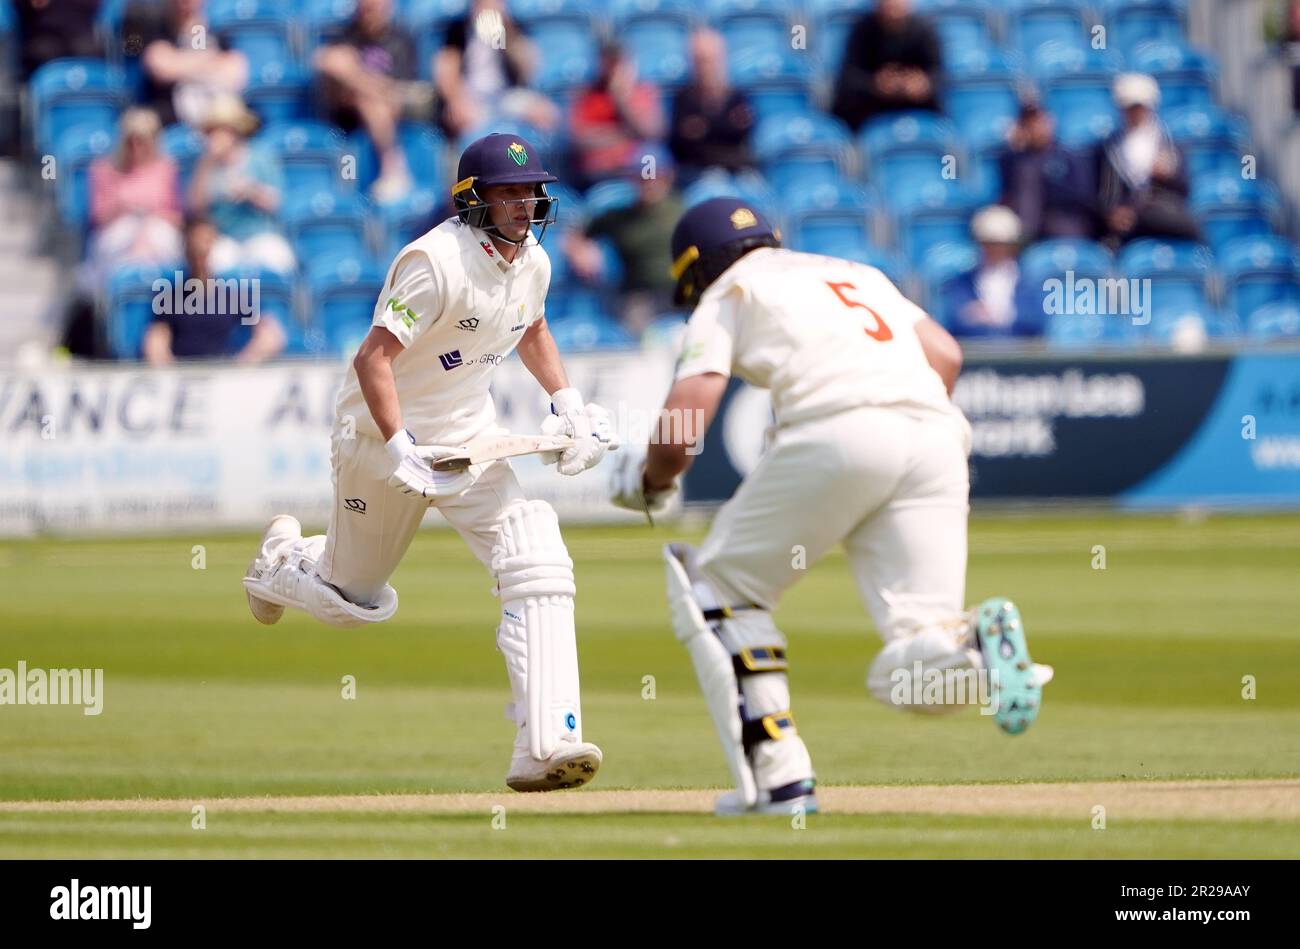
(379, 389)
(541, 357)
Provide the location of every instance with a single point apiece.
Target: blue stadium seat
(1187, 325)
(1053, 258)
(838, 194)
(260, 29)
(310, 154)
(907, 150)
(326, 224)
(961, 24)
(1133, 22)
(1229, 206)
(279, 92)
(942, 263)
(425, 14)
(1258, 271)
(812, 133)
(422, 144)
(1031, 23)
(1212, 140)
(937, 212)
(658, 44)
(983, 107)
(748, 34)
(401, 222)
(828, 38)
(567, 54)
(777, 83)
(620, 11)
(1187, 76)
(716, 183)
(1179, 272)
(342, 293)
(1083, 99)
(1274, 321)
(1068, 57)
(1088, 330)
(76, 150)
(184, 144)
(323, 21)
(129, 297)
(66, 93)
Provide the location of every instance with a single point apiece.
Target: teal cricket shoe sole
(1014, 689)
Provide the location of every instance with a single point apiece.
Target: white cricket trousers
(892, 486)
(372, 524)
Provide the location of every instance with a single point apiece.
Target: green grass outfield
(202, 705)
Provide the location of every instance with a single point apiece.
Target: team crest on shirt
(742, 218)
(469, 323)
(517, 153)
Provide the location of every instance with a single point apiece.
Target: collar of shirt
(488, 249)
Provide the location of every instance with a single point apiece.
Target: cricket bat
(487, 448)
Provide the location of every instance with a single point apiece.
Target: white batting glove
(589, 425)
(627, 484)
(414, 476)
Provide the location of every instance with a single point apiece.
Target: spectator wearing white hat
(991, 300)
(1141, 173)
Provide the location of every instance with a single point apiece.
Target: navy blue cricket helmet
(712, 236)
(501, 159)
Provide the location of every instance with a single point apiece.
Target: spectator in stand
(992, 300)
(208, 335)
(613, 117)
(238, 186)
(186, 66)
(135, 202)
(640, 236)
(483, 70)
(893, 60)
(53, 29)
(363, 74)
(711, 120)
(1141, 173)
(1051, 188)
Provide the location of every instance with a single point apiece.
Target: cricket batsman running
(455, 302)
(868, 451)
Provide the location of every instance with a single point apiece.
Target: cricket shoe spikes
(283, 529)
(1016, 689)
(571, 765)
(791, 800)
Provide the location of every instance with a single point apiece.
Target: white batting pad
(535, 582)
(713, 668)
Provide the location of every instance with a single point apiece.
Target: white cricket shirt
(823, 334)
(459, 310)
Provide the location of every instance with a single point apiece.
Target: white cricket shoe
(283, 528)
(797, 798)
(572, 765)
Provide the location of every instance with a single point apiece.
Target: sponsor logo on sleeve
(403, 312)
(355, 504)
(470, 324)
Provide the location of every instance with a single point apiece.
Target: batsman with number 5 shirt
(455, 302)
(868, 451)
